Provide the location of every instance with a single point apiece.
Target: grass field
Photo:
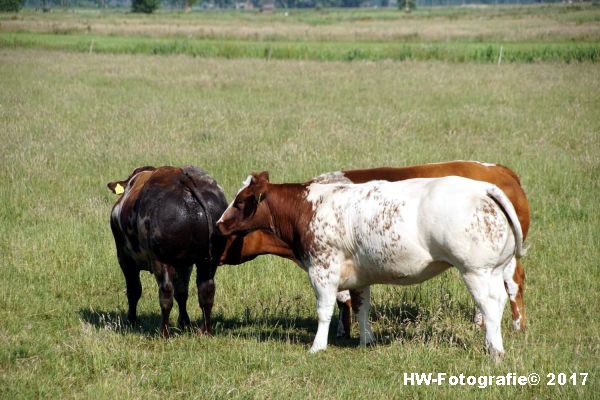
(489, 34)
(72, 121)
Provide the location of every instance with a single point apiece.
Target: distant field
(500, 23)
(71, 122)
(320, 51)
(521, 33)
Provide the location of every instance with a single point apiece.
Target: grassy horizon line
(456, 52)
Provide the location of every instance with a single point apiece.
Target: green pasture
(72, 121)
(556, 33)
(321, 51)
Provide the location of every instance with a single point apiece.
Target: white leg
(325, 291)
(363, 299)
(488, 291)
(325, 305)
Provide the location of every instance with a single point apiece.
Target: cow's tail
(188, 181)
(503, 201)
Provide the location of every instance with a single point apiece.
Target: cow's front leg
(361, 304)
(324, 282)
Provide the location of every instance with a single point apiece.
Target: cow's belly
(354, 274)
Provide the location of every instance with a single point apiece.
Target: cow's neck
(242, 248)
(290, 213)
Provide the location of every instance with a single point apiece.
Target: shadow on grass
(278, 328)
(146, 325)
(405, 323)
(449, 324)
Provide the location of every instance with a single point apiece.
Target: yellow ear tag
(119, 189)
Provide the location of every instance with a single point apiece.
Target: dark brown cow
(163, 222)
(242, 248)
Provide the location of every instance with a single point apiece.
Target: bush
(407, 5)
(143, 6)
(11, 5)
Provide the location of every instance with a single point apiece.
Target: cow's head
(247, 211)
(119, 187)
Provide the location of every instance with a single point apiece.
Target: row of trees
(149, 6)
(11, 5)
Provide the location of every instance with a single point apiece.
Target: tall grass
(322, 51)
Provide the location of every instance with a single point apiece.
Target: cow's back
(161, 218)
(499, 175)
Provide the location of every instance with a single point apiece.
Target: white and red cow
(246, 246)
(163, 222)
(350, 236)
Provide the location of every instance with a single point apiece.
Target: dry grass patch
(530, 23)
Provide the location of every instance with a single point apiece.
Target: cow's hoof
(314, 351)
(132, 318)
(342, 333)
(183, 323)
(164, 332)
(317, 348)
(517, 324)
(496, 356)
(367, 340)
(205, 332)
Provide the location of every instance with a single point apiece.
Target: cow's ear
(142, 169)
(116, 187)
(259, 187)
(262, 177)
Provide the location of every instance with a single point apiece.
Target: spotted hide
(350, 236)
(244, 247)
(164, 222)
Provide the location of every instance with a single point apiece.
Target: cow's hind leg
(181, 284)
(514, 282)
(164, 274)
(344, 305)
(361, 304)
(134, 287)
(206, 295)
(514, 287)
(487, 288)
(519, 308)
